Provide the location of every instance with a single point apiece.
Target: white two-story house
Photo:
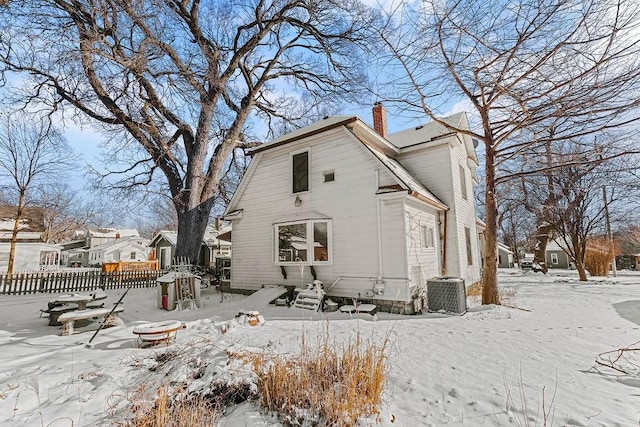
(371, 215)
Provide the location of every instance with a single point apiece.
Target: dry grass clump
(167, 411)
(475, 290)
(327, 384)
(598, 255)
(507, 293)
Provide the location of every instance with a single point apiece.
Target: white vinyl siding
(267, 201)
(423, 263)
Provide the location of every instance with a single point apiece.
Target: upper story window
(300, 172)
(463, 182)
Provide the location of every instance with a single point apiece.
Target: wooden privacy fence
(74, 281)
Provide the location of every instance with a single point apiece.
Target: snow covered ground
(531, 365)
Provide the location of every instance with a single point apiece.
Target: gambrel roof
(380, 148)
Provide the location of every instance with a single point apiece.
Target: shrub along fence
(74, 281)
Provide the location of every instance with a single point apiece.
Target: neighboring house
(76, 253)
(105, 235)
(371, 215)
(31, 253)
(556, 256)
(505, 256)
(164, 245)
(216, 246)
(129, 249)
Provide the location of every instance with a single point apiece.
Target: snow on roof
(113, 232)
(23, 236)
(169, 235)
(505, 248)
(426, 132)
(406, 178)
(132, 240)
(319, 126)
(212, 233)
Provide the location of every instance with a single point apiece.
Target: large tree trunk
(543, 231)
(490, 293)
(191, 227)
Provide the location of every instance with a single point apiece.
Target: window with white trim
(463, 182)
(303, 242)
(467, 239)
(554, 258)
(426, 237)
(300, 168)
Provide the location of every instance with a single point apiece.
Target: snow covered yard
(492, 366)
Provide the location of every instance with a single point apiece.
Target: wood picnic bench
(68, 319)
(55, 311)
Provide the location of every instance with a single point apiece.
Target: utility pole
(609, 234)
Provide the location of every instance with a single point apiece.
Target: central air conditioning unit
(447, 294)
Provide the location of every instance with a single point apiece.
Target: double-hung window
(303, 242)
(426, 236)
(300, 162)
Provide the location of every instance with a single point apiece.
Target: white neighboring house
(371, 215)
(128, 249)
(75, 253)
(505, 256)
(31, 253)
(105, 235)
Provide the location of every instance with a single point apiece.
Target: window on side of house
(304, 242)
(329, 176)
(467, 239)
(463, 182)
(133, 255)
(426, 237)
(554, 258)
(300, 163)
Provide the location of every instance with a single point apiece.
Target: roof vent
(419, 127)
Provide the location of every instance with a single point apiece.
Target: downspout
(443, 268)
(379, 217)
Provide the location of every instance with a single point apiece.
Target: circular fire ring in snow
(154, 333)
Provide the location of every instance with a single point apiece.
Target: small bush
(326, 384)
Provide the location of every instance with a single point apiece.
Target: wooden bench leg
(67, 328)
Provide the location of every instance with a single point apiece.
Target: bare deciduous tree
(64, 211)
(521, 66)
(32, 154)
(183, 79)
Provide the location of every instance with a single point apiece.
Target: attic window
(329, 176)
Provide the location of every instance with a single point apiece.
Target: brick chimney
(380, 119)
(117, 236)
